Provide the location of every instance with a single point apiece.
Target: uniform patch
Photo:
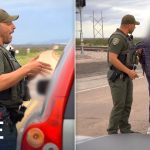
(115, 41)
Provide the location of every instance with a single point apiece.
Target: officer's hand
(35, 67)
(132, 74)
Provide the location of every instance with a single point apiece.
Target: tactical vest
(12, 97)
(130, 52)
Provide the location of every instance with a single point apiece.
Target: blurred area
(47, 54)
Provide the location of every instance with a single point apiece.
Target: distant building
(55, 47)
(28, 50)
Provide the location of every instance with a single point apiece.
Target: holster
(117, 74)
(17, 115)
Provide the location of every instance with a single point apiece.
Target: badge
(115, 41)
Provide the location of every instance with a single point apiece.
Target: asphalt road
(84, 70)
(93, 108)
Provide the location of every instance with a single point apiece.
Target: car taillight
(35, 137)
(50, 146)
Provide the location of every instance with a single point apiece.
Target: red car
(53, 127)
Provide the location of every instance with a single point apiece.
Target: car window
(69, 111)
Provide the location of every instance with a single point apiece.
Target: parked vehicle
(51, 127)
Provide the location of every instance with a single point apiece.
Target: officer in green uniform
(13, 87)
(122, 60)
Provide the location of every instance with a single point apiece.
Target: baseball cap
(5, 17)
(129, 19)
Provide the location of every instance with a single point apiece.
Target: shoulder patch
(115, 41)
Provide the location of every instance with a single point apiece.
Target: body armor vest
(130, 56)
(12, 97)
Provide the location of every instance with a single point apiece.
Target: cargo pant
(122, 95)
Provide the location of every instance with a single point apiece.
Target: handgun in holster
(18, 115)
(117, 73)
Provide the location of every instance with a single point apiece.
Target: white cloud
(113, 10)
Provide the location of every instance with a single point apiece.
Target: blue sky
(113, 10)
(41, 21)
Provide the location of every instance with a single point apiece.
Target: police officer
(13, 78)
(121, 74)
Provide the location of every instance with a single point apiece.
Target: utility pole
(80, 4)
(98, 26)
(93, 25)
(81, 32)
(102, 24)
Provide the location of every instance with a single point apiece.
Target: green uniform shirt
(4, 64)
(117, 43)
(9, 97)
(1, 63)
